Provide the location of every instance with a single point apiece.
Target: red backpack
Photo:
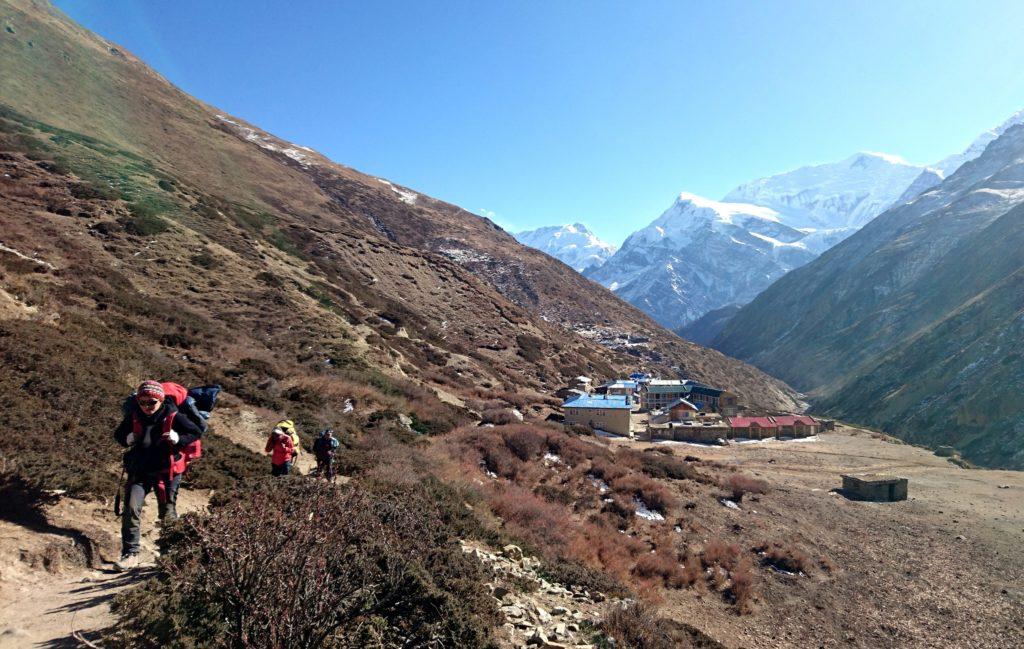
(179, 394)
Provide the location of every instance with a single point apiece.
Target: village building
(606, 412)
(796, 425)
(656, 394)
(706, 397)
(582, 383)
(621, 388)
(875, 487)
(568, 394)
(708, 431)
(753, 427)
(681, 409)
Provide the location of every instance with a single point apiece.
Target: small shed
(875, 487)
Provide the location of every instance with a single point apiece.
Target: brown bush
(693, 571)
(654, 494)
(660, 465)
(299, 563)
(575, 451)
(663, 566)
(638, 626)
(541, 524)
(720, 553)
(497, 416)
(607, 470)
(742, 589)
(741, 484)
(526, 442)
(783, 555)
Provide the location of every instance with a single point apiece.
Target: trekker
(281, 446)
(155, 437)
(324, 448)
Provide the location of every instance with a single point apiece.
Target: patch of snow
(601, 485)
(551, 457)
(646, 513)
(729, 503)
(348, 407)
(21, 255)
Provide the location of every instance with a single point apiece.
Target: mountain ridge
(888, 307)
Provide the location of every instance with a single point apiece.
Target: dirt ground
(944, 568)
(48, 591)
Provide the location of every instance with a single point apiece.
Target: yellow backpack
(288, 426)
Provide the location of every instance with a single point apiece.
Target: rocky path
(538, 613)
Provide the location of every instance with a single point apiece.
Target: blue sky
(540, 113)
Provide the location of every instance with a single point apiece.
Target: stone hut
(875, 487)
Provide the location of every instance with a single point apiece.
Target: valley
(540, 440)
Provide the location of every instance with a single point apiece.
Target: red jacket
(282, 446)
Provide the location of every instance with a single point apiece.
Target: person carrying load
(159, 441)
(323, 449)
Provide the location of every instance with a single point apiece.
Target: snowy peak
(572, 244)
(701, 254)
(950, 164)
(692, 217)
(844, 194)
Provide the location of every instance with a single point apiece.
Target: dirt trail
(249, 428)
(47, 590)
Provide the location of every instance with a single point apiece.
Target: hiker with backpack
(282, 446)
(323, 449)
(159, 438)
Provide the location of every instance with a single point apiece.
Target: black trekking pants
(134, 498)
(325, 468)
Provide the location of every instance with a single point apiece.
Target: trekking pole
(117, 497)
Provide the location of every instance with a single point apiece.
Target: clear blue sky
(552, 112)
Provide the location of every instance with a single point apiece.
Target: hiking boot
(127, 562)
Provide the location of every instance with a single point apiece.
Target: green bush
(144, 221)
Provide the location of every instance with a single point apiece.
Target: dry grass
(740, 485)
(784, 555)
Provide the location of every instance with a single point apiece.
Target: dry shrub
(607, 470)
(526, 442)
(661, 465)
(497, 416)
(542, 524)
(661, 565)
(742, 590)
(784, 555)
(741, 485)
(720, 553)
(293, 563)
(621, 509)
(693, 571)
(638, 626)
(654, 494)
(575, 451)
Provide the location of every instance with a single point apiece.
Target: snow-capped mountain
(574, 245)
(834, 200)
(702, 254)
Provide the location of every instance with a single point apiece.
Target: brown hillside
(365, 248)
